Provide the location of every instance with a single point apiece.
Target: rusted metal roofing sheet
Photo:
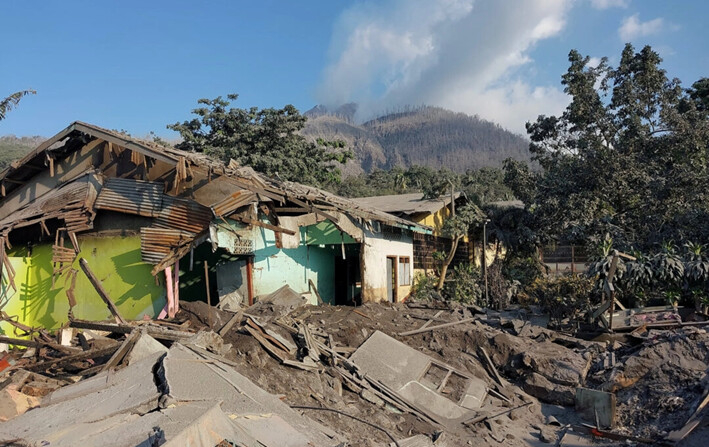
(131, 196)
(233, 201)
(183, 214)
(54, 204)
(157, 243)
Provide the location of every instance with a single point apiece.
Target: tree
(628, 157)
(267, 140)
(456, 228)
(11, 101)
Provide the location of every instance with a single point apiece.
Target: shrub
(464, 285)
(523, 270)
(561, 297)
(424, 287)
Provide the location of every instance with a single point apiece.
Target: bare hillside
(428, 136)
(13, 148)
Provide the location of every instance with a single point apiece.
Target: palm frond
(11, 101)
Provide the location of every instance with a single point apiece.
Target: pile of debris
(284, 373)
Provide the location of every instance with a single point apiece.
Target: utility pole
(484, 250)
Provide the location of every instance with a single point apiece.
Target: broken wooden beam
(431, 320)
(100, 290)
(491, 366)
(232, 321)
(315, 289)
(38, 344)
(692, 423)
(488, 417)
(440, 326)
(95, 353)
(258, 223)
(154, 331)
(282, 356)
(122, 351)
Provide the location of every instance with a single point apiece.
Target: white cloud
(460, 54)
(632, 28)
(606, 4)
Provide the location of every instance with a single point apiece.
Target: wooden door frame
(395, 283)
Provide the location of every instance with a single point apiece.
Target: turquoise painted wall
(116, 261)
(313, 260)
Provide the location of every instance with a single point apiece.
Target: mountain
(13, 148)
(429, 136)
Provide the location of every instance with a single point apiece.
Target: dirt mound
(659, 382)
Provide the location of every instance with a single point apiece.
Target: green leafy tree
(268, 140)
(11, 101)
(628, 157)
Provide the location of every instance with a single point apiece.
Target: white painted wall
(376, 248)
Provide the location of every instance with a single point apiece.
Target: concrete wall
(115, 261)
(376, 248)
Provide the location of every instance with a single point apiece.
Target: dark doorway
(347, 277)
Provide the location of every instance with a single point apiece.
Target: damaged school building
(94, 221)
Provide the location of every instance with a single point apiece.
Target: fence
(565, 259)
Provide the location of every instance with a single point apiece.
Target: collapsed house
(97, 224)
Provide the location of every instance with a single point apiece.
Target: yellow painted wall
(436, 220)
(115, 261)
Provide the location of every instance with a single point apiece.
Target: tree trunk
(447, 262)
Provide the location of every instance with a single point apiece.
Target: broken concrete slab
(145, 346)
(431, 385)
(130, 390)
(191, 377)
(596, 406)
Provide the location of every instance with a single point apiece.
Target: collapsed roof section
(84, 168)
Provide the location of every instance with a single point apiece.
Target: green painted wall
(325, 233)
(115, 261)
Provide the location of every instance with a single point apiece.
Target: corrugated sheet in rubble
(131, 196)
(156, 243)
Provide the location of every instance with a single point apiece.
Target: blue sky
(141, 65)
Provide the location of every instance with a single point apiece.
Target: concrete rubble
(284, 373)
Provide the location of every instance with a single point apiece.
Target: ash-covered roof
(407, 204)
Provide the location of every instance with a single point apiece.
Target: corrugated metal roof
(55, 204)
(413, 203)
(131, 196)
(183, 214)
(157, 243)
(243, 177)
(233, 202)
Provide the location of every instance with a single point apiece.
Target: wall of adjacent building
(376, 248)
